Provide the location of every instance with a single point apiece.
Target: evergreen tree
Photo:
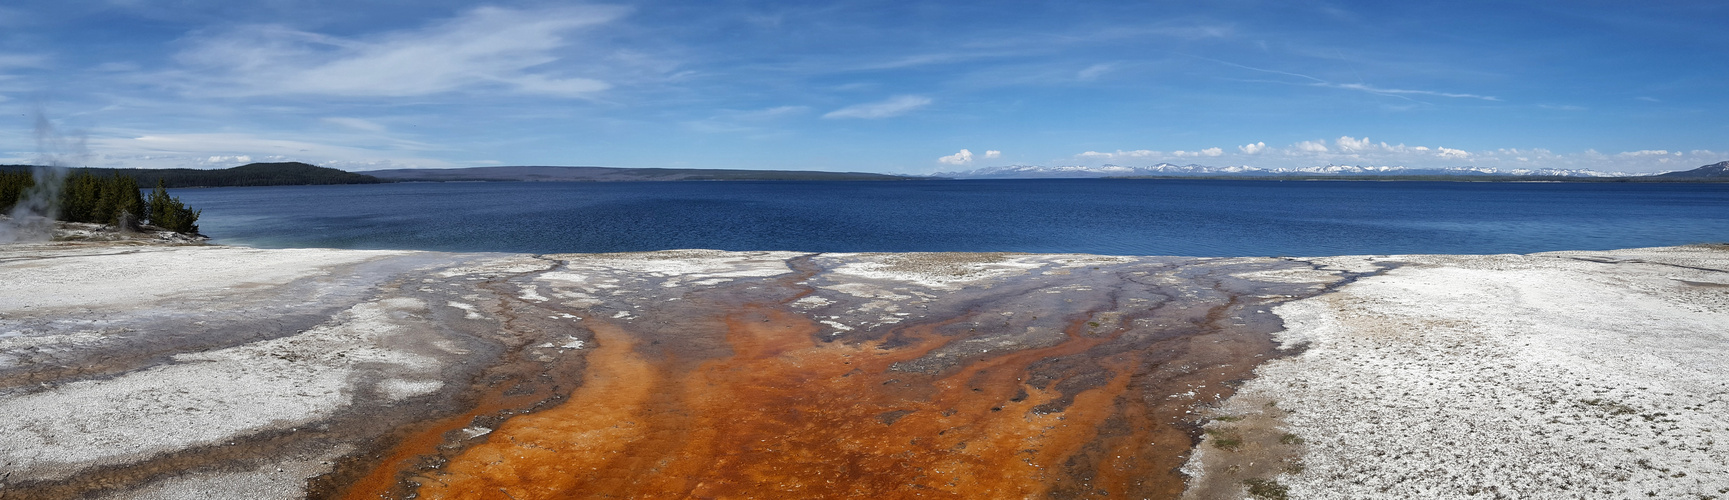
(13, 184)
(127, 202)
(80, 198)
(86, 197)
(169, 213)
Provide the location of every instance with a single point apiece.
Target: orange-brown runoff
(787, 417)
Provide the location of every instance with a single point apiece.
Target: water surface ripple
(1117, 217)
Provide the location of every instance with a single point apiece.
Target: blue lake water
(1121, 217)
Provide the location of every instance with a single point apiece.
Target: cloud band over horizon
(860, 87)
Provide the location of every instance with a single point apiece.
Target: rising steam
(32, 219)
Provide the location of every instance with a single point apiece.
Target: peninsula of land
(153, 369)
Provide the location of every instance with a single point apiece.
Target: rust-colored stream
(779, 414)
(785, 417)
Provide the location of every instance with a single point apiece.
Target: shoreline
(453, 352)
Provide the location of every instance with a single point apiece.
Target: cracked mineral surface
(156, 371)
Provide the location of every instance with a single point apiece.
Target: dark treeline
(12, 186)
(102, 200)
(256, 174)
(112, 199)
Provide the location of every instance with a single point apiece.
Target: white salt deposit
(811, 302)
(470, 311)
(1542, 376)
(942, 271)
(399, 389)
(1290, 276)
(206, 398)
(531, 292)
(688, 264)
(107, 277)
(503, 266)
(284, 480)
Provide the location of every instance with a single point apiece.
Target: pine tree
(12, 188)
(169, 213)
(127, 205)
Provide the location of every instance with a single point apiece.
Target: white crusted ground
(949, 271)
(1562, 375)
(283, 480)
(35, 278)
(207, 398)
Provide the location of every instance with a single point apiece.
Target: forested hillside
(256, 174)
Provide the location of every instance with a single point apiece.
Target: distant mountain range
(610, 174)
(295, 173)
(1170, 170)
(1719, 170)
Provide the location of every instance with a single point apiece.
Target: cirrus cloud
(485, 47)
(1204, 152)
(891, 107)
(1120, 154)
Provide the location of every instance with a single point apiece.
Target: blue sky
(885, 86)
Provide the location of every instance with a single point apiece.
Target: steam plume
(32, 218)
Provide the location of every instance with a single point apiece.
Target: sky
(871, 86)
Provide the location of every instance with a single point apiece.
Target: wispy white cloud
(962, 158)
(1194, 31)
(891, 107)
(777, 111)
(486, 47)
(228, 160)
(355, 123)
(747, 121)
(1093, 72)
(1250, 149)
(1361, 87)
(1120, 154)
(925, 60)
(1203, 152)
(12, 61)
(1401, 92)
(992, 154)
(205, 150)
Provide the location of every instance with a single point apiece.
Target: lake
(1100, 216)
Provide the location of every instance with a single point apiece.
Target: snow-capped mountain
(1167, 169)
